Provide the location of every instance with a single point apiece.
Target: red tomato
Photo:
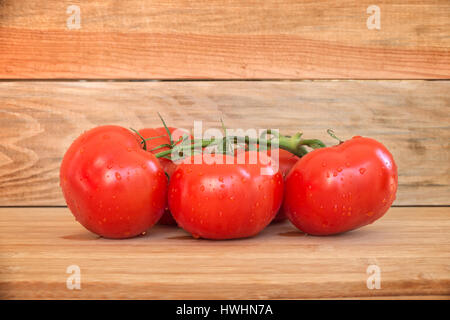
(286, 161)
(337, 189)
(113, 187)
(168, 165)
(225, 201)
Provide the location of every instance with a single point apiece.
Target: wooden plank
(411, 246)
(279, 39)
(39, 120)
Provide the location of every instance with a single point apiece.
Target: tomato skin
(168, 165)
(341, 188)
(111, 185)
(224, 201)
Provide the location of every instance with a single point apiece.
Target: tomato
(225, 201)
(113, 187)
(168, 165)
(337, 189)
(286, 161)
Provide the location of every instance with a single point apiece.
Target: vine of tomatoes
(118, 183)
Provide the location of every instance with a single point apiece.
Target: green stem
(294, 144)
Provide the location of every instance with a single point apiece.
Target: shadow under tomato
(82, 236)
(182, 238)
(292, 234)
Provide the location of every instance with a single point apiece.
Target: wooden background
(253, 39)
(293, 65)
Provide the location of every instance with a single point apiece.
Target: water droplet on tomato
(362, 170)
(335, 174)
(339, 169)
(221, 179)
(118, 176)
(324, 164)
(232, 198)
(202, 188)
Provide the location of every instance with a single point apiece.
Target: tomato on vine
(112, 186)
(225, 201)
(159, 140)
(341, 188)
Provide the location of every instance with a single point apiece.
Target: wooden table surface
(67, 66)
(410, 246)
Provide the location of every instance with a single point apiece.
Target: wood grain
(411, 246)
(282, 39)
(39, 120)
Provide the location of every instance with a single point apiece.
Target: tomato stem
(294, 144)
(167, 128)
(331, 133)
(144, 141)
